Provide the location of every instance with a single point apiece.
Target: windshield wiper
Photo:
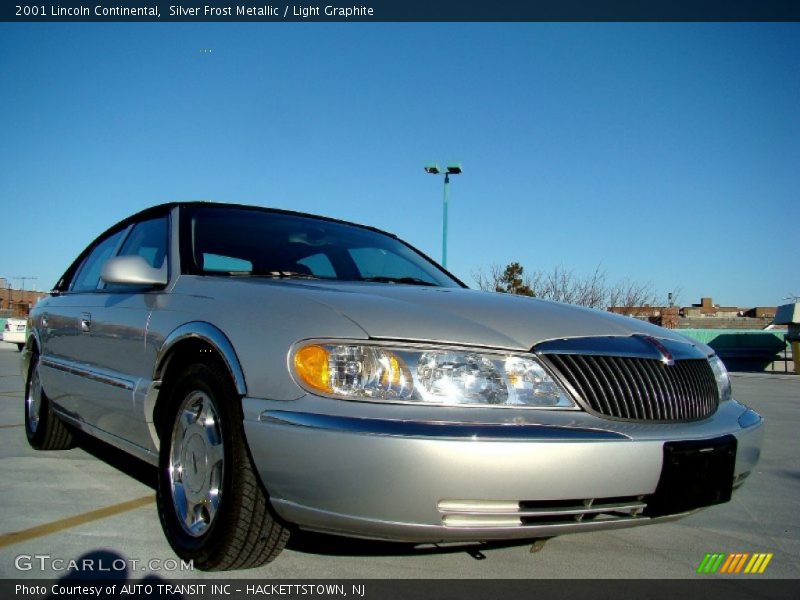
(407, 280)
(272, 274)
(284, 275)
(297, 275)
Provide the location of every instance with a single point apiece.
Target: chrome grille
(640, 389)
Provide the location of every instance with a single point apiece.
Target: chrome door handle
(86, 322)
(45, 320)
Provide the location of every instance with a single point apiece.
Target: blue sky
(667, 153)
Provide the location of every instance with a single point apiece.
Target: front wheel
(20, 347)
(43, 428)
(212, 507)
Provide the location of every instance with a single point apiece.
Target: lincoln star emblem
(666, 355)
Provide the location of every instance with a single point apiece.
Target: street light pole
(444, 220)
(454, 169)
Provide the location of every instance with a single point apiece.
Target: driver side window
(149, 240)
(87, 278)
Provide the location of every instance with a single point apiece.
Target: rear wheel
(43, 428)
(210, 501)
(20, 347)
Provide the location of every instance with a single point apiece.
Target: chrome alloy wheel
(196, 463)
(33, 401)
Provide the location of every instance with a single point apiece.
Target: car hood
(462, 316)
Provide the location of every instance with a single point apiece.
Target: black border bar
(376, 11)
(154, 587)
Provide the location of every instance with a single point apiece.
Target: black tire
(43, 428)
(20, 347)
(233, 528)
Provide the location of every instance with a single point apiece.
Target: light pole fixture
(452, 169)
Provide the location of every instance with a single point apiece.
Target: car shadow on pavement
(333, 545)
(122, 461)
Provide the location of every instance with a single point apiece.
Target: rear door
(65, 341)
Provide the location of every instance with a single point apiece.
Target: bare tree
(632, 293)
(488, 282)
(562, 285)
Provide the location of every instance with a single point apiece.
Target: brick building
(665, 316)
(707, 308)
(18, 303)
(705, 315)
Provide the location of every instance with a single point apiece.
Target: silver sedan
(285, 370)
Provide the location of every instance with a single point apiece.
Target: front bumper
(347, 468)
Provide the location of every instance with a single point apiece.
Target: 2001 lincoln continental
(286, 370)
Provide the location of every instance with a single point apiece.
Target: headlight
(721, 375)
(430, 376)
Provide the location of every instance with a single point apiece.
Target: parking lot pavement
(72, 505)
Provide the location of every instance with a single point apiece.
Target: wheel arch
(242, 531)
(33, 345)
(178, 350)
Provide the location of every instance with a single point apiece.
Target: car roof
(164, 208)
(167, 206)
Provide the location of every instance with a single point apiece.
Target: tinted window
(376, 262)
(148, 240)
(88, 275)
(319, 265)
(277, 244)
(215, 262)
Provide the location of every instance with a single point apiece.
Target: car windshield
(237, 241)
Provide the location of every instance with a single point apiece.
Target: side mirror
(133, 270)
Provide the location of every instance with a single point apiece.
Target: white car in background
(15, 332)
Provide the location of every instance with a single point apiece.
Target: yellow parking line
(93, 515)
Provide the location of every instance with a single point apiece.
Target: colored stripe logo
(736, 563)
